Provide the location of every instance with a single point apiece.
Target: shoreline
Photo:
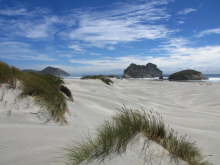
(210, 80)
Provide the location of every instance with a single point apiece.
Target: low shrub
(104, 79)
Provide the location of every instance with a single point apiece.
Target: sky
(100, 36)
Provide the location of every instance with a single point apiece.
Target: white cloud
(76, 48)
(35, 24)
(42, 28)
(13, 12)
(180, 55)
(120, 22)
(187, 11)
(34, 31)
(181, 22)
(176, 43)
(113, 32)
(208, 32)
(124, 23)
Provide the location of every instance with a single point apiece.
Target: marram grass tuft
(46, 89)
(114, 137)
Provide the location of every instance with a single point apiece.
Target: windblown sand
(191, 108)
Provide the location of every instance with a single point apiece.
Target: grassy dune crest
(114, 137)
(47, 90)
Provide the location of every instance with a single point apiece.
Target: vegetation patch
(114, 137)
(105, 79)
(8, 74)
(47, 90)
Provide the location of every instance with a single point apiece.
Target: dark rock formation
(142, 71)
(54, 71)
(187, 75)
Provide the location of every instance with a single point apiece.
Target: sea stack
(142, 71)
(187, 75)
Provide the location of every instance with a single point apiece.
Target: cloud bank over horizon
(105, 37)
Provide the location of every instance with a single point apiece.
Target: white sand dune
(191, 108)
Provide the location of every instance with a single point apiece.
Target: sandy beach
(191, 108)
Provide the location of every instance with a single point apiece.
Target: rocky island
(187, 75)
(142, 71)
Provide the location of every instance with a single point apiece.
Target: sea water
(211, 77)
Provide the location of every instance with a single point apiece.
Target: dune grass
(46, 89)
(8, 74)
(105, 79)
(114, 137)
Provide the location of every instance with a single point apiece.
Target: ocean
(211, 77)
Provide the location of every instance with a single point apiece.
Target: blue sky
(99, 36)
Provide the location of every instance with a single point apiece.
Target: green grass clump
(104, 79)
(47, 90)
(8, 74)
(114, 137)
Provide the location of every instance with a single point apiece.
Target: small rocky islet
(188, 74)
(142, 71)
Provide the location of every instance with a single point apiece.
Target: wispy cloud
(187, 11)
(34, 31)
(42, 28)
(181, 22)
(121, 22)
(14, 12)
(124, 23)
(23, 12)
(21, 51)
(76, 47)
(208, 32)
(180, 54)
(35, 24)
